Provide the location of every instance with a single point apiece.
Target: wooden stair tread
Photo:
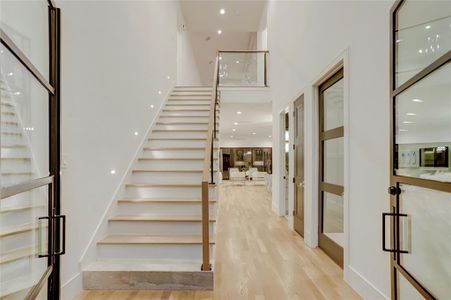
(180, 139)
(170, 158)
(180, 130)
(181, 185)
(166, 171)
(160, 218)
(163, 200)
(182, 123)
(149, 239)
(185, 116)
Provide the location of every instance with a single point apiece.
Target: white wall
(304, 39)
(116, 56)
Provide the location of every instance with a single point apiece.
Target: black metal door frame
(396, 269)
(56, 228)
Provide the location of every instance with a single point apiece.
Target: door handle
(63, 232)
(384, 247)
(40, 238)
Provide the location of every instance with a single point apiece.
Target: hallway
(257, 257)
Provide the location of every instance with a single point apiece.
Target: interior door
(331, 167)
(419, 219)
(30, 223)
(299, 165)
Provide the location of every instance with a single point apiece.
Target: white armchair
(235, 174)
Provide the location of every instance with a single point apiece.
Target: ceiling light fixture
(427, 27)
(238, 113)
(222, 11)
(235, 123)
(168, 77)
(269, 136)
(160, 92)
(420, 51)
(237, 61)
(112, 172)
(253, 133)
(152, 106)
(411, 114)
(136, 133)
(408, 122)
(417, 100)
(219, 31)
(233, 129)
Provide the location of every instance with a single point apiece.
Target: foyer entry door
(30, 220)
(299, 165)
(419, 223)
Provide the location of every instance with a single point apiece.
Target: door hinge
(294, 147)
(294, 212)
(294, 180)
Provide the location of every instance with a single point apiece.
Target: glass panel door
(331, 167)
(421, 141)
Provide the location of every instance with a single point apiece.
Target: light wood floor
(257, 257)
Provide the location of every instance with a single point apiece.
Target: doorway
(285, 166)
(420, 169)
(31, 226)
(331, 167)
(298, 147)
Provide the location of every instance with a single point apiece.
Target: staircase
(19, 266)
(154, 240)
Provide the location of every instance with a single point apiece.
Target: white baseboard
(362, 286)
(71, 288)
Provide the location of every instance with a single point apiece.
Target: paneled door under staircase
(30, 220)
(299, 165)
(417, 230)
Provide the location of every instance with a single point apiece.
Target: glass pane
(334, 161)
(333, 106)
(242, 69)
(24, 123)
(333, 217)
(26, 24)
(22, 238)
(423, 127)
(426, 233)
(424, 34)
(406, 290)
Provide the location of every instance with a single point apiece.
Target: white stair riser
(18, 268)
(192, 88)
(15, 152)
(188, 134)
(166, 177)
(164, 209)
(164, 192)
(158, 228)
(11, 139)
(177, 143)
(20, 217)
(203, 118)
(18, 241)
(8, 118)
(187, 107)
(17, 165)
(23, 199)
(175, 154)
(179, 97)
(169, 113)
(182, 126)
(189, 93)
(9, 127)
(153, 251)
(172, 164)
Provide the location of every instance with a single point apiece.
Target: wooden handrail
(207, 172)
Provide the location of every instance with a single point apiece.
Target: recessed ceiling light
(411, 114)
(269, 136)
(233, 129)
(219, 31)
(112, 172)
(17, 93)
(220, 58)
(160, 92)
(238, 113)
(168, 77)
(408, 122)
(237, 61)
(136, 133)
(10, 74)
(235, 123)
(427, 27)
(254, 133)
(152, 106)
(420, 51)
(417, 100)
(222, 11)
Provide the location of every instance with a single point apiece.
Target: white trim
(362, 286)
(89, 254)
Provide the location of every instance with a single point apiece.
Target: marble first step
(146, 275)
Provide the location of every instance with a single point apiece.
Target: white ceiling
(255, 117)
(240, 16)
